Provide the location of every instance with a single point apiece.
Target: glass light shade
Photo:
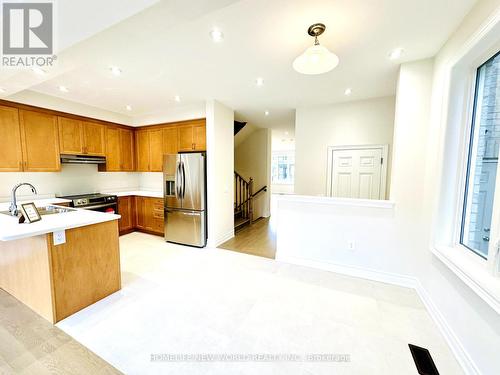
(315, 60)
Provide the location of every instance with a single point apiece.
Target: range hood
(82, 159)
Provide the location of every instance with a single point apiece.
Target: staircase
(243, 201)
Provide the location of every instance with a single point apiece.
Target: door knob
(486, 238)
(486, 229)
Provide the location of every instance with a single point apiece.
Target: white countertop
(140, 193)
(38, 202)
(335, 201)
(10, 229)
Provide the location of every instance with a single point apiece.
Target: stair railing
(244, 196)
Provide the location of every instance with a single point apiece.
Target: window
(482, 162)
(283, 168)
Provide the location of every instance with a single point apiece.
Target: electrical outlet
(351, 245)
(59, 237)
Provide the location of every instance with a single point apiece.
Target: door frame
(383, 171)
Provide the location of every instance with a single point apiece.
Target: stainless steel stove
(94, 201)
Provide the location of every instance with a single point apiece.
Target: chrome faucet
(13, 203)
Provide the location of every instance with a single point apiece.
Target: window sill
(473, 271)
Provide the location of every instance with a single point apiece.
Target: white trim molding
(458, 350)
(475, 275)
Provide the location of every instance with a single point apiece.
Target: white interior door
(357, 173)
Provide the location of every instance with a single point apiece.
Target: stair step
(240, 223)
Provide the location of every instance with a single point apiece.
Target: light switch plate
(59, 237)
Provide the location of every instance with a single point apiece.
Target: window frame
(281, 153)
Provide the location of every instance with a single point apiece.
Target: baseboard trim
(458, 350)
(221, 239)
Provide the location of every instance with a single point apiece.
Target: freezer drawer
(185, 227)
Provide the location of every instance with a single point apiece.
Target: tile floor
(179, 300)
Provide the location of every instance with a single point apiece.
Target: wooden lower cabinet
(141, 213)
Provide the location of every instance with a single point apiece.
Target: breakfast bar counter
(62, 263)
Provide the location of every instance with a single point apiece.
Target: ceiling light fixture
(316, 59)
(216, 35)
(266, 113)
(259, 81)
(348, 92)
(128, 107)
(177, 98)
(2, 90)
(396, 54)
(63, 88)
(116, 71)
(38, 71)
(286, 133)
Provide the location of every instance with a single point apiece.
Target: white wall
(73, 179)
(58, 104)
(220, 172)
(252, 158)
(354, 123)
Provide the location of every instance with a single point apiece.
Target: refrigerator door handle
(178, 181)
(183, 180)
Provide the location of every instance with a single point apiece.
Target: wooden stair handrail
(244, 196)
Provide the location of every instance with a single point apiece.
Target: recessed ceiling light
(396, 54)
(63, 88)
(348, 92)
(259, 81)
(177, 98)
(38, 70)
(128, 107)
(116, 71)
(266, 113)
(216, 35)
(286, 133)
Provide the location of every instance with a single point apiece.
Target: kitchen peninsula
(57, 280)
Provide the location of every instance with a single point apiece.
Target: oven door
(110, 208)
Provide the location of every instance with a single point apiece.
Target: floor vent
(423, 360)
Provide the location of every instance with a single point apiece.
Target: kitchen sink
(46, 210)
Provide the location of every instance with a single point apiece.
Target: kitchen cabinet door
(170, 140)
(140, 212)
(70, 136)
(127, 150)
(40, 142)
(113, 152)
(125, 210)
(142, 149)
(11, 156)
(185, 140)
(94, 143)
(155, 150)
(199, 134)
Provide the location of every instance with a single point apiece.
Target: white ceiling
(165, 50)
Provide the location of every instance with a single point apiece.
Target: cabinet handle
(21, 165)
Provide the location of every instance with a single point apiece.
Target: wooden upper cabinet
(192, 137)
(70, 136)
(113, 154)
(40, 141)
(126, 150)
(185, 140)
(94, 143)
(155, 150)
(170, 140)
(199, 135)
(11, 156)
(142, 150)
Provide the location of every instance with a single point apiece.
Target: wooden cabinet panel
(127, 150)
(140, 212)
(199, 134)
(93, 134)
(126, 210)
(185, 140)
(70, 136)
(40, 141)
(149, 214)
(142, 150)
(170, 140)
(113, 154)
(155, 150)
(11, 156)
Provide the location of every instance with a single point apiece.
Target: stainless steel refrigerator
(185, 189)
